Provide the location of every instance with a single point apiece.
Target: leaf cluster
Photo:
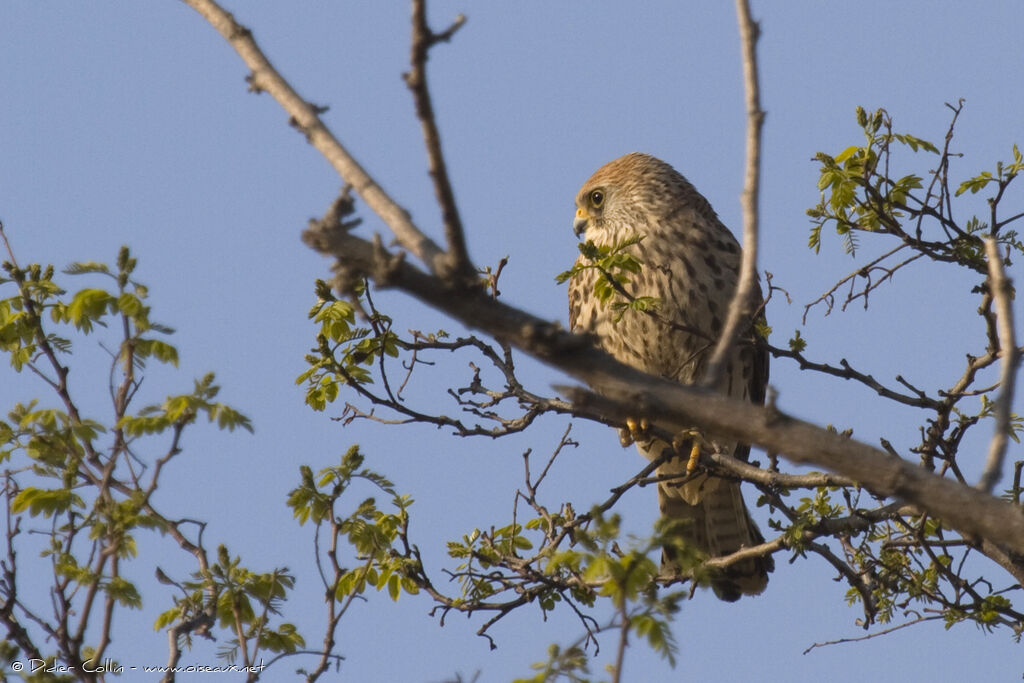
(862, 193)
(345, 353)
(615, 264)
(364, 359)
(370, 533)
(243, 601)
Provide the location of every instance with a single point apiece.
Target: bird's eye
(597, 198)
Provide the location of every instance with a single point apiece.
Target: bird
(689, 265)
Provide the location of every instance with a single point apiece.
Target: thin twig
(1000, 287)
(748, 472)
(873, 635)
(828, 298)
(16, 632)
(846, 371)
(1017, 467)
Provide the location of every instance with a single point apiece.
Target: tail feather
(718, 524)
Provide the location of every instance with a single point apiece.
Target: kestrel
(690, 264)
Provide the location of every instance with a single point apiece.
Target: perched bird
(690, 264)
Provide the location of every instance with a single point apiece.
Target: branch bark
(743, 304)
(1001, 290)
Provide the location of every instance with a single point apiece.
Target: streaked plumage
(691, 263)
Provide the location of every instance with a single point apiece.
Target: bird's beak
(579, 224)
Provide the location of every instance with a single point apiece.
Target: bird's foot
(693, 439)
(636, 429)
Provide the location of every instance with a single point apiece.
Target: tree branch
(459, 267)
(679, 407)
(846, 371)
(1001, 290)
(306, 118)
(743, 298)
(16, 632)
(974, 514)
(876, 634)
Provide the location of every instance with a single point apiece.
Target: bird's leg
(679, 442)
(635, 430)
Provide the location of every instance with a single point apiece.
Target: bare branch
(16, 632)
(749, 472)
(306, 118)
(968, 511)
(458, 265)
(1001, 290)
(980, 519)
(876, 634)
(846, 371)
(743, 298)
(828, 298)
(759, 550)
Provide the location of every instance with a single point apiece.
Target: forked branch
(458, 266)
(306, 118)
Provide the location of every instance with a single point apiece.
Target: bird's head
(617, 198)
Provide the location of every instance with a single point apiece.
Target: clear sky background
(129, 123)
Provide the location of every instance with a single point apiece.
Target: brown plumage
(691, 264)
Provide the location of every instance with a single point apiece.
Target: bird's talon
(638, 428)
(692, 438)
(691, 464)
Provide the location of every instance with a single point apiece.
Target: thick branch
(677, 407)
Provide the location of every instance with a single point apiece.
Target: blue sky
(129, 123)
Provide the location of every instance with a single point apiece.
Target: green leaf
(88, 306)
(394, 587)
(284, 638)
(162, 351)
(797, 343)
(167, 618)
(847, 153)
(124, 592)
(814, 242)
(335, 319)
(131, 306)
(976, 184)
(81, 267)
(46, 502)
(149, 424)
(229, 418)
(658, 634)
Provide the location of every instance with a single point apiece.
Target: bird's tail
(714, 519)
